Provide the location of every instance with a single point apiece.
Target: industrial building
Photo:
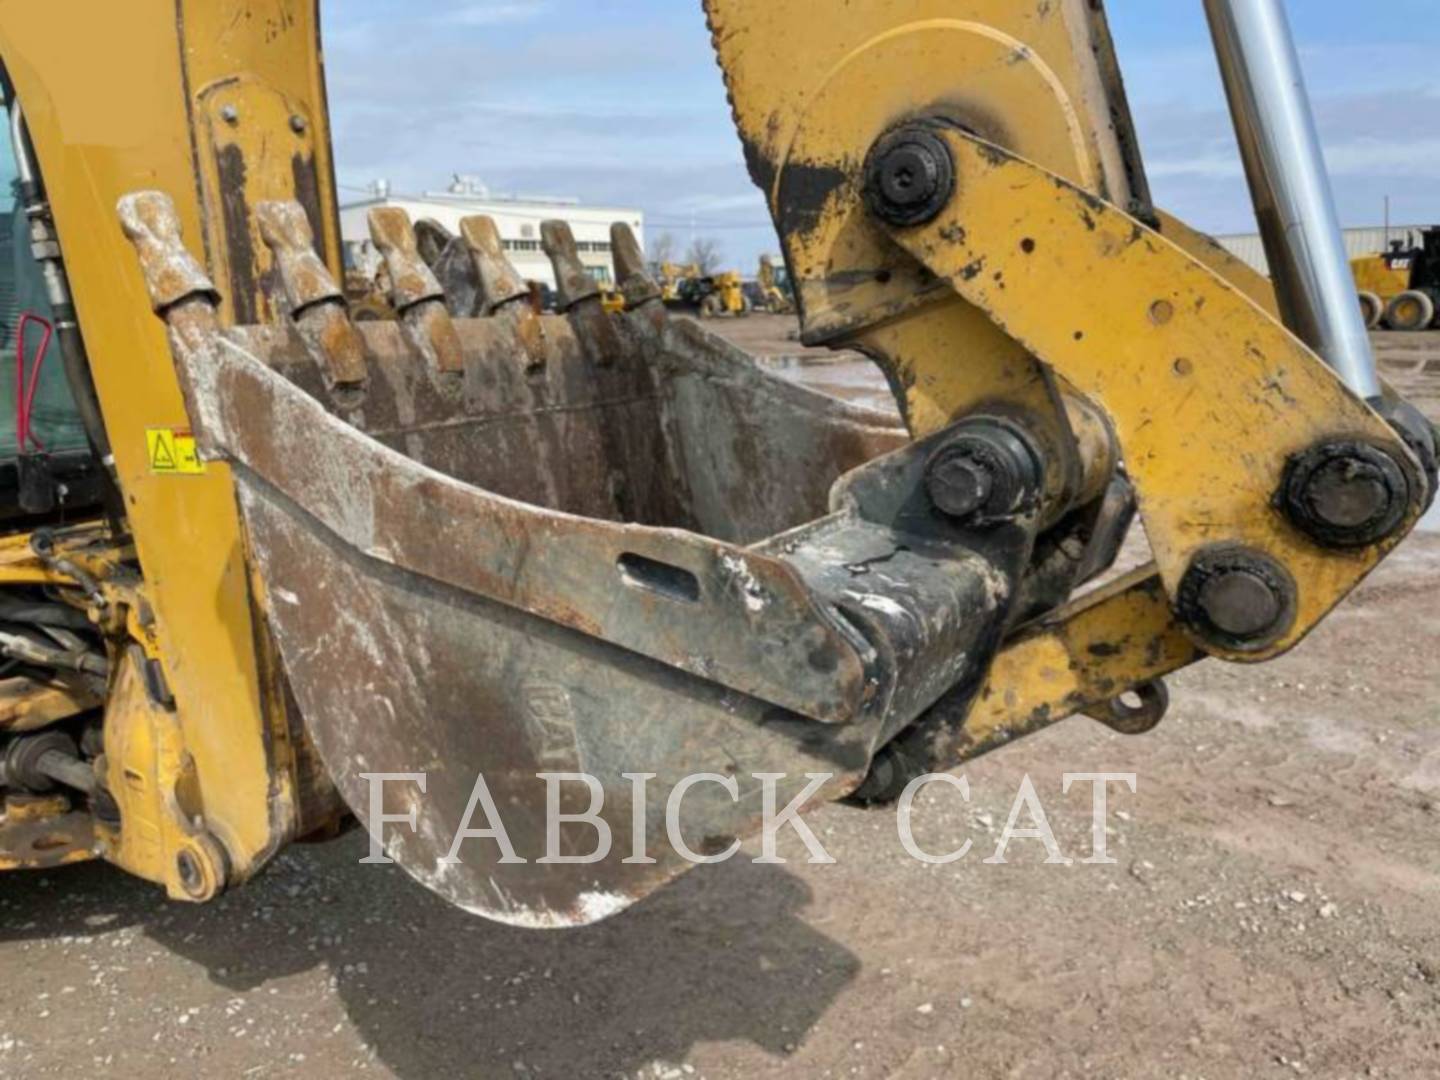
(1366, 240)
(518, 218)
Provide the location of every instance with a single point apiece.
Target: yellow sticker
(171, 452)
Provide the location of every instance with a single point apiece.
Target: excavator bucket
(589, 590)
(497, 546)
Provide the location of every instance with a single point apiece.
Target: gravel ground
(1271, 913)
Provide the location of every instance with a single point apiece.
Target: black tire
(1372, 310)
(1410, 312)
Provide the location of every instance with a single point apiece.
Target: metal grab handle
(1294, 202)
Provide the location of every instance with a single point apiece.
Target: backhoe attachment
(501, 551)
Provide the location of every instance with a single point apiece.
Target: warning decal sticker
(171, 452)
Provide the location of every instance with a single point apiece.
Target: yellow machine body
(1380, 275)
(99, 131)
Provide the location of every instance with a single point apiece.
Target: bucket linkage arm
(963, 201)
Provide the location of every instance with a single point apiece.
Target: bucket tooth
(432, 240)
(411, 280)
(414, 291)
(630, 272)
(316, 303)
(449, 260)
(503, 292)
(641, 293)
(573, 283)
(577, 294)
(500, 282)
(172, 275)
(181, 292)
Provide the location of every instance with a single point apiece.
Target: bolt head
(1345, 494)
(230, 114)
(298, 124)
(1237, 598)
(191, 874)
(958, 484)
(909, 176)
(1240, 603)
(985, 472)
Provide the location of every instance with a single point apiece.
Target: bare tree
(663, 248)
(705, 254)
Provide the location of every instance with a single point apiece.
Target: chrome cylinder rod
(1294, 202)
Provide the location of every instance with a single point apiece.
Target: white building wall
(1369, 240)
(519, 225)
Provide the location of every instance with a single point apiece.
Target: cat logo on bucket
(171, 452)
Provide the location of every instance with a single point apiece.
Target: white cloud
(1385, 156)
(705, 203)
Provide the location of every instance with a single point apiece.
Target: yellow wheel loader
(1379, 279)
(774, 287)
(492, 581)
(1400, 289)
(668, 277)
(711, 295)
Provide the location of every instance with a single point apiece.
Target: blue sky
(620, 102)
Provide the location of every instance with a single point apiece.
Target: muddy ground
(1274, 912)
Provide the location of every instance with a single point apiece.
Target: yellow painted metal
(157, 786)
(41, 832)
(1208, 252)
(940, 385)
(1121, 636)
(1376, 274)
(147, 763)
(670, 275)
(263, 58)
(729, 293)
(19, 565)
(1040, 79)
(812, 95)
(119, 107)
(1255, 285)
(1209, 395)
(27, 705)
(776, 298)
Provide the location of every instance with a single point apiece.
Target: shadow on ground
(720, 956)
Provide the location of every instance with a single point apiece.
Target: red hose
(25, 391)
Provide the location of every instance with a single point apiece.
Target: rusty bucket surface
(503, 545)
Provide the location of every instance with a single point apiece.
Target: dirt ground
(1272, 913)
